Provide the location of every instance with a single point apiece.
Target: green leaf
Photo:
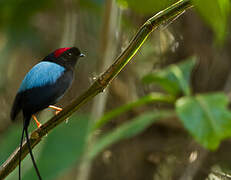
(62, 149)
(206, 117)
(215, 13)
(175, 78)
(147, 7)
(127, 130)
(153, 97)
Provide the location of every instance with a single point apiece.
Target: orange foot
(58, 109)
(36, 120)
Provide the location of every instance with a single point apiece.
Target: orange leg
(58, 109)
(36, 120)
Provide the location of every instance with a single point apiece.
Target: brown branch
(100, 84)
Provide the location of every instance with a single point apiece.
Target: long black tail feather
(25, 129)
(20, 153)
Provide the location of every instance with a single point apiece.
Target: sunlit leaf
(127, 130)
(206, 117)
(175, 78)
(62, 149)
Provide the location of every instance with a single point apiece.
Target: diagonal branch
(100, 84)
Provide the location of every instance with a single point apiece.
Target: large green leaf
(62, 149)
(206, 117)
(175, 78)
(127, 130)
(216, 14)
(147, 6)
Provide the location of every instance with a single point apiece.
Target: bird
(42, 87)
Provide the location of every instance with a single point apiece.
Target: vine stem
(169, 14)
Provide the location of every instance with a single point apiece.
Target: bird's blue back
(42, 74)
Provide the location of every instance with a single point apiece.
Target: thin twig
(100, 84)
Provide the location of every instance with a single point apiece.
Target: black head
(66, 57)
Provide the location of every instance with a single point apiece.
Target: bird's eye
(69, 53)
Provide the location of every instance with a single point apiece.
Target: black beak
(82, 55)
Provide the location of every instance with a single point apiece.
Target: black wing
(16, 107)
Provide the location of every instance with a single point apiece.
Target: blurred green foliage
(16, 20)
(9, 142)
(16, 17)
(216, 14)
(127, 130)
(151, 98)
